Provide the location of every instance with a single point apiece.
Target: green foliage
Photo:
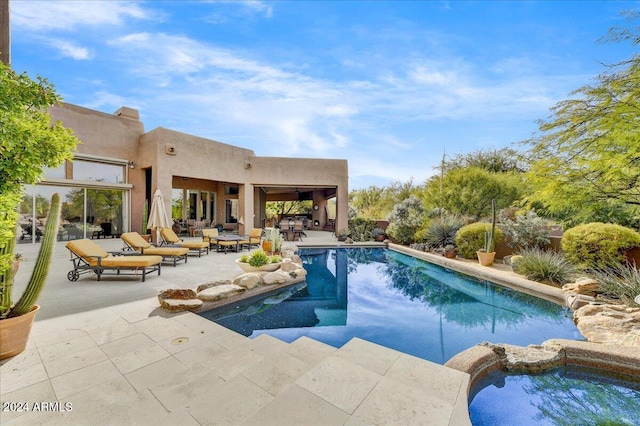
(503, 160)
(586, 160)
(370, 203)
(244, 258)
(621, 282)
(29, 142)
(527, 231)
(361, 229)
(470, 238)
(275, 259)
(258, 258)
(465, 191)
(541, 265)
(442, 230)
(405, 219)
(598, 245)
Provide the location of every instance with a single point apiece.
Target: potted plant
(379, 234)
(30, 141)
(486, 255)
(259, 261)
(450, 251)
(343, 234)
(272, 241)
(16, 319)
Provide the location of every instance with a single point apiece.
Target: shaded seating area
(170, 237)
(224, 242)
(88, 257)
(135, 242)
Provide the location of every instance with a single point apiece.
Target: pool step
(361, 381)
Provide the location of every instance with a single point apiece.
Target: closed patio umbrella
(158, 218)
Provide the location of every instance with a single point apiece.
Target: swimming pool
(398, 301)
(561, 396)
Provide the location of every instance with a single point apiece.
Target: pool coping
(486, 358)
(492, 273)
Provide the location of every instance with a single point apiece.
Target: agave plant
(442, 231)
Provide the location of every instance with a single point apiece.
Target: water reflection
(399, 302)
(563, 397)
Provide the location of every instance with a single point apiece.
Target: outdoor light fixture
(132, 165)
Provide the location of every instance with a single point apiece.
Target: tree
(469, 191)
(586, 159)
(29, 142)
(502, 160)
(368, 202)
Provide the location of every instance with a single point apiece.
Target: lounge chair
(171, 238)
(134, 241)
(87, 257)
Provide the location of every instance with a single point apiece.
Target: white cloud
(44, 16)
(71, 50)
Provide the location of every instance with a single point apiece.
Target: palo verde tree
(587, 154)
(29, 142)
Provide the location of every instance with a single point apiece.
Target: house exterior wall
(205, 164)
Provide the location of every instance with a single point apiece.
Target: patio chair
(254, 237)
(171, 238)
(88, 257)
(209, 236)
(298, 230)
(135, 242)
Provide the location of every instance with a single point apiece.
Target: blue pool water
(400, 302)
(571, 396)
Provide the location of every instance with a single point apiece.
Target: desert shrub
(405, 219)
(621, 282)
(442, 231)
(598, 245)
(525, 231)
(542, 265)
(361, 229)
(470, 238)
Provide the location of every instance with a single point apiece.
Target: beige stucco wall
(200, 164)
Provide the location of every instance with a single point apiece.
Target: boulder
(288, 266)
(212, 292)
(277, 277)
(248, 281)
(609, 324)
(296, 259)
(178, 300)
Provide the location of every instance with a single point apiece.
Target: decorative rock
(178, 300)
(296, 259)
(277, 277)
(583, 285)
(300, 272)
(249, 280)
(212, 292)
(289, 251)
(288, 266)
(532, 359)
(576, 301)
(610, 324)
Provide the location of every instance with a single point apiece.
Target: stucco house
(119, 166)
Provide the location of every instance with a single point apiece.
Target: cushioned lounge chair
(171, 238)
(134, 241)
(87, 257)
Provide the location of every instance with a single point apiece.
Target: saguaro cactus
(40, 271)
(490, 236)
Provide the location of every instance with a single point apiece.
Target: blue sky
(387, 85)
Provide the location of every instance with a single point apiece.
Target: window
(231, 190)
(98, 172)
(231, 211)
